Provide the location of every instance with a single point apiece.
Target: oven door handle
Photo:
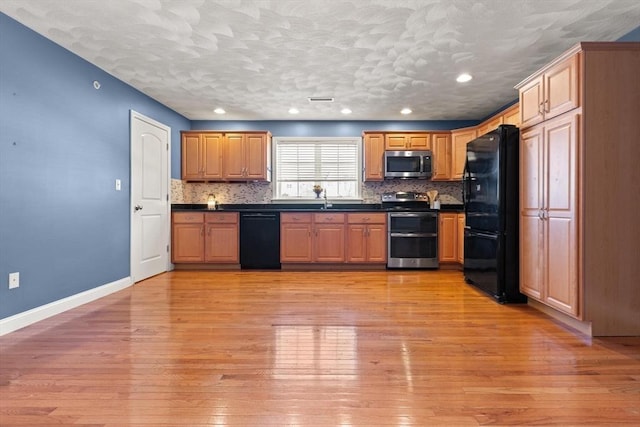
(413, 234)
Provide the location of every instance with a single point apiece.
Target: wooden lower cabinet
(367, 238)
(187, 241)
(447, 237)
(333, 238)
(200, 237)
(329, 242)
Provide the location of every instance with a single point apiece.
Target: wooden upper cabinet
(511, 116)
(201, 156)
(459, 141)
(373, 156)
(407, 141)
(550, 93)
(234, 156)
(441, 143)
(489, 125)
(218, 156)
(246, 156)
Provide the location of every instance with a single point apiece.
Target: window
(331, 163)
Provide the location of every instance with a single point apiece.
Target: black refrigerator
(490, 192)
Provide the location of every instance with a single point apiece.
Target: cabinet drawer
(299, 218)
(366, 218)
(222, 218)
(188, 217)
(328, 218)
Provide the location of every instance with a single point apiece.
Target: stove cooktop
(406, 201)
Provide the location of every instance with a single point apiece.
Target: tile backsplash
(261, 192)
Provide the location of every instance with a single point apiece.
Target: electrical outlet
(14, 280)
(118, 185)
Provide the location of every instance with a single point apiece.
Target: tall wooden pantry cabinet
(580, 175)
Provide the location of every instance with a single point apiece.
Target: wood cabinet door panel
(191, 157)
(531, 267)
(367, 218)
(531, 173)
(374, 157)
(295, 242)
(212, 156)
(377, 243)
(356, 243)
(329, 243)
(328, 218)
(448, 223)
(442, 157)
(512, 116)
(561, 88)
(561, 263)
(561, 141)
(295, 218)
(418, 142)
(187, 242)
(395, 142)
(222, 217)
(188, 217)
(459, 141)
(233, 156)
(221, 243)
(256, 156)
(531, 99)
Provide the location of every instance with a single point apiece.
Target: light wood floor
(312, 349)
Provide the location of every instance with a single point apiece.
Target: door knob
(137, 208)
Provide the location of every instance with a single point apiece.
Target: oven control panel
(408, 196)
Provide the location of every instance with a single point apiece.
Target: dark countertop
(305, 207)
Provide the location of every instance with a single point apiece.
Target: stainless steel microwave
(407, 164)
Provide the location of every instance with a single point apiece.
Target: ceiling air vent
(321, 99)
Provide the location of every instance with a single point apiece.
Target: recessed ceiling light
(293, 111)
(406, 111)
(463, 78)
(219, 111)
(345, 111)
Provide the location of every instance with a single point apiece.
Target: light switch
(118, 185)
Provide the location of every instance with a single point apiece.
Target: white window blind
(332, 163)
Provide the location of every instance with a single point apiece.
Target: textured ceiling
(258, 58)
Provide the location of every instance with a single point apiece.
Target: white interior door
(149, 197)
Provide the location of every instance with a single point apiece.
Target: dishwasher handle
(259, 215)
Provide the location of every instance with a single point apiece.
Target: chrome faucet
(326, 203)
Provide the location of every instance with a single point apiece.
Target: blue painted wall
(62, 146)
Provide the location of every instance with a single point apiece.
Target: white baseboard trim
(29, 317)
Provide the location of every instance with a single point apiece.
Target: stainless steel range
(413, 230)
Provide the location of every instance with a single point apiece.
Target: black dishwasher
(260, 240)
